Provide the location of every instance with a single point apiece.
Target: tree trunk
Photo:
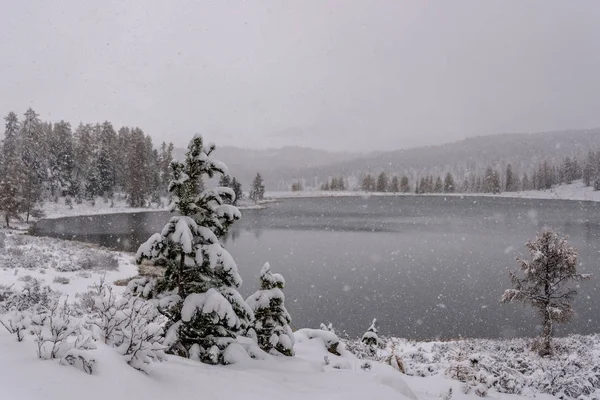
(180, 277)
(547, 332)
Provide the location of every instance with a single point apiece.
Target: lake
(424, 266)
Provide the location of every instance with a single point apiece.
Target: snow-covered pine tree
(589, 169)
(439, 186)
(166, 157)
(137, 182)
(382, 182)
(404, 185)
(61, 159)
(236, 186)
(368, 183)
(12, 172)
(33, 155)
(510, 185)
(395, 185)
(552, 266)
(105, 162)
(370, 338)
(257, 191)
(198, 292)
(449, 186)
(271, 319)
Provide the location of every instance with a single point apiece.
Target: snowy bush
(505, 366)
(61, 279)
(16, 323)
(129, 324)
(99, 261)
(32, 294)
(370, 337)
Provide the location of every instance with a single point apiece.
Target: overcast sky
(338, 75)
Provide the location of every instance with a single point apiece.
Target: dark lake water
(425, 266)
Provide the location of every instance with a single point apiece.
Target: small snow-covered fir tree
(370, 338)
(544, 284)
(272, 320)
(198, 292)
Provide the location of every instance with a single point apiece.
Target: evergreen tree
(271, 319)
(439, 186)
(395, 185)
(368, 183)
(237, 190)
(491, 181)
(449, 186)
(544, 283)
(526, 184)
(105, 166)
(404, 185)
(198, 291)
(589, 169)
(62, 159)
(510, 180)
(33, 155)
(370, 338)
(257, 191)
(84, 154)
(225, 181)
(138, 180)
(382, 182)
(12, 172)
(166, 158)
(297, 186)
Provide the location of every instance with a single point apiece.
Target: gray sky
(340, 75)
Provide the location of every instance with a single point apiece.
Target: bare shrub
(61, 279)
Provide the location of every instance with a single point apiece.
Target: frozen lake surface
(425, 266)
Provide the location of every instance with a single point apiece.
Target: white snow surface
(23, 376)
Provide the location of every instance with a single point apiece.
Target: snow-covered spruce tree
(370, 338)
(544, 283)
(33, 155)
(237, 190)
(198, 292)
(12, 172)
(272, 320)
(257, 191)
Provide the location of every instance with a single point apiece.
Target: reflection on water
(424, 266)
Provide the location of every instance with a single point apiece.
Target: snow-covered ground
(67, 267)
(59, 209)
(23, 376)
(574, 191)
(313, 373)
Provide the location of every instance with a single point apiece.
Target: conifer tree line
(542, 176)
(44, 161)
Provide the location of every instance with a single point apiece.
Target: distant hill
(281, 167)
